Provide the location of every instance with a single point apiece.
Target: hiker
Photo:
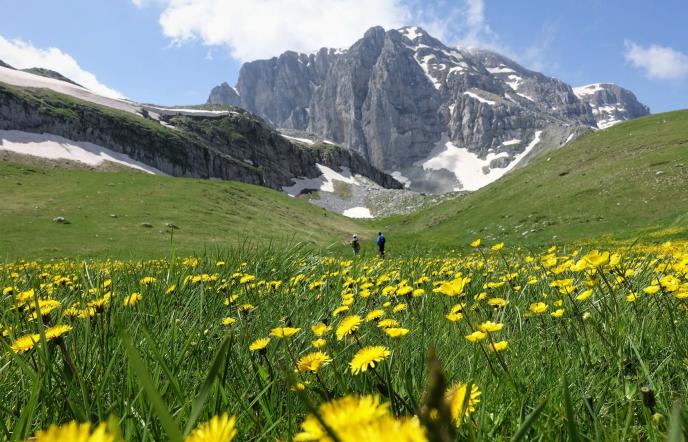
(355, 245)
(381, 244)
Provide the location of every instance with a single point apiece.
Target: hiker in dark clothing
(381, 244)
(355, 245)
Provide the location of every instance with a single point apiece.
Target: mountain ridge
(398, 97)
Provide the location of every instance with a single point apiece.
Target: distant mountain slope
(192, 142)
(439, 117)
(625, 181)
(50, 74)
(128, 214)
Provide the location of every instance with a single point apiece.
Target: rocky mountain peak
(438, 117)
(610, 104)
(224, 94)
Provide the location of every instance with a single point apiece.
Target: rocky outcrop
(610, 104)
(394, 95)
(234, 145)
(224, 94)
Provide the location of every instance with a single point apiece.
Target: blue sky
(175, 51)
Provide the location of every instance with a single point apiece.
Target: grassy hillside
(628, 181)
(208, 214)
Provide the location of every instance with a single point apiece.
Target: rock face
(401, 97)
(233, 145)
(610, 103)
(224, 94)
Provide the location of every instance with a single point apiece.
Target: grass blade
(530, 420)
(146, 383)
(570, 417)
(205, 389)
(676, 424)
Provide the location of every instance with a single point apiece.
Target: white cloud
(264, 28)
(659, 62)
(21, 55)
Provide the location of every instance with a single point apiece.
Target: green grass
(624, 182)
(160, 367)
(210, 215)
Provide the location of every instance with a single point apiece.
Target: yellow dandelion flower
(538, 307)
(558, 313)
(367, 357)
(651, 290)
(498, 346)
(320, 342)
(148, 280)
(57, 331)
(340, 309)
(25, 343)
(386, 323)
(476, 336)
(348, 326)
(284, 332)
(341, 415)
(497, 302)
(399, 308)
(490, 327)
(218, 429)
(497, 247)
(259, 344)
(456, 398)
(475, 243)
(312, 362)
(74, 432)
(228, 321)
(584, 295)
(396, 332)
(320, 329)
(375, 315)
(132, 299)
(596, 258)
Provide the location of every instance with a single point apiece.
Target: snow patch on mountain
(358, 212)
(324, 182)
(588, 89)
(300, 140)
(26, 79)
(470, 170)
(479, 98)
(401, 178)
(54, 147)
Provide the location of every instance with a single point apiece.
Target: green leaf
(530, 420)
(675, 424)
(219, 360)
(146, 383)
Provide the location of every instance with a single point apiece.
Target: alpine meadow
(396, 237)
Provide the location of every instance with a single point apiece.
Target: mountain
(47, 73)
(622, 183)
(224, 94)
(610, 103)
(50, 74)
(436, 117)
(38, 114)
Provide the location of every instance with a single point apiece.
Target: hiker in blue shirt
(381, 244)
